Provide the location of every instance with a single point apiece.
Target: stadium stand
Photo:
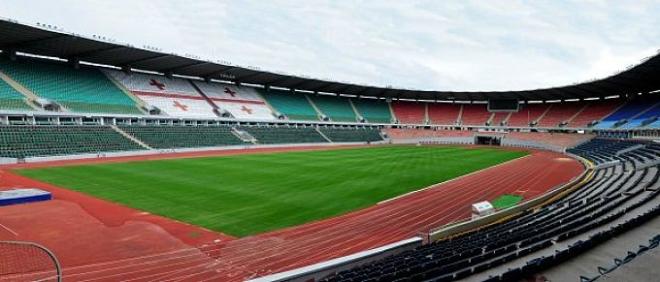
(294, 106)
(37, 141)
(527, 114)
(594, 112)
(10, 99)
(648, 117)
(565, 140)
(168, 137)
(83, 90)
(336, 108)
(337, 134)
(499, 118)
(172, 96)
(374, 111)
(475, 114)
(409, 112)
(240, 101)
(285, 135)
(412, 133)
(561, 229)
(630, 110)
(443, 113)
(560, 114)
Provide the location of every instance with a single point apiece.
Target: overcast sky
(430, 45)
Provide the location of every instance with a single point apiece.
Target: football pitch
(242, 195)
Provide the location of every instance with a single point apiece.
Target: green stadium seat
(284, 135)
(294, 106)
(336, 108)
(374, 111)
(48, 140)
(10, 99)
(84, 90)
(351, 134)
(167, 137)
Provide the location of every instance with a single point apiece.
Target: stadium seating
(629, 110)
(351, 134)
(409, 112)
(475, 114)
(443, 113)
(565, 140)
(336, 108)
(499, 118)
(374, 111)
(412, 133)
(645, 118)
(10, 99)
(527, 114)
(284, 135)
(240, 101)
(612, 193)
(34, 141)
(560, 114)
(295, 106)
(84, 90)
(174, 97)
(594, 111)
(167, 137)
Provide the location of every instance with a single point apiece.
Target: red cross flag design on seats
(180, 106)
(246, 109)
(160, 86)
(230, 92)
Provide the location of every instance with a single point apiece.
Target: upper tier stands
(527, 114)
(162, 137)
(499, 118)
(475, 114)
(174, 97)
(295, 106)
(409, 112)
(645, 118)
(615, 200)
(84, 90)
(34, 141)
(240, 101)
(443, 113)
(629, 110)
(560, 114)
(10, 99)
(374, 111)
(335, 108)
(285, 135)
(594, 111)
(351, 134)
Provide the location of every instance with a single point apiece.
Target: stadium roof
(36, 40)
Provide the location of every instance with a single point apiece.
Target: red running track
(101, 241)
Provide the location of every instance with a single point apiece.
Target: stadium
(124, 163)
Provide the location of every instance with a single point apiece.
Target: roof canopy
(16, 37)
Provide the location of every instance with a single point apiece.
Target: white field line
(9, 229)
(450, 180)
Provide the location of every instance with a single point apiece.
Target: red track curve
(101, 241)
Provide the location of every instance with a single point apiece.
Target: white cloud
(439, 45)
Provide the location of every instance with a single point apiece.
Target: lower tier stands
(284, 135)
(164, 137)
(294, 106)
(600, 150)
(36, 141)
(475, 114)
(535, 239)
(335, 108)
(374, 111)
(443, 113)
(564, 140)
(84, 90)
(413, 133)
(409, 112)
(351, 134)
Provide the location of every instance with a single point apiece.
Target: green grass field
(248, 194)
(506, 200)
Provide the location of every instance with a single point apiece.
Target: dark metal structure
(37, 40)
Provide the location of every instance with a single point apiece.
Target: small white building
(482, 209)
